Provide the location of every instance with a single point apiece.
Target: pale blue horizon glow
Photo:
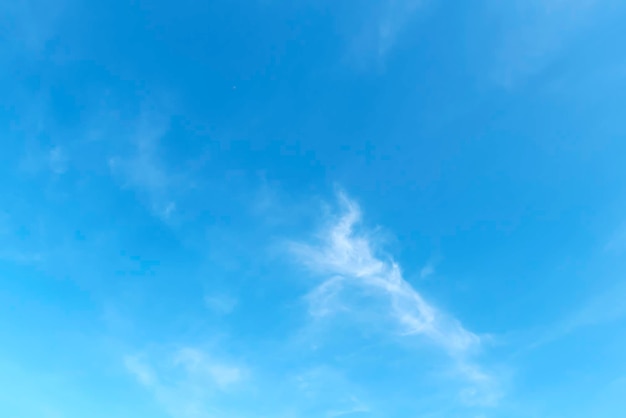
(306, 209)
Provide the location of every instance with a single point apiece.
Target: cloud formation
(347, 257)
(187, 381)
(144, 170)
(220, 304)
(382, 29)
(535, 33)
(396, 16)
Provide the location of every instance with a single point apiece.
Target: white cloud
(356, 407)
(197, 364)
(430, 267)
(30, 25)
(143, 169)
(58, 160)
(484, 389)
(605, 307)
(536, 31)
(325, 391)
(379, 34)
(186, 382)
(427, 271)
(617, 243)
(348, 256)
(13, 250)
(21, 257)
(324, 299)
(140, 370)
(396, 15)
(220, 304)
(39, 160)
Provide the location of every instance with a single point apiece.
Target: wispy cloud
(348, 257)
(356, 408)
(38, 159)
(58, 160)
(21, 257)
(605, 307)
(325, 391)
(220, 304)
(430, 267)
(140, 370)
(197, 364)
(387, 20)
(617, 242)
(535, 33)
(396, 15)
(13, 249)
(324, 299)
(143, 170)
(30, 25)
(427, 271)
(186, 382)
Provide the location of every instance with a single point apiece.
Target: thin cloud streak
(603, 308)
(186, 383)
(536, 32)
(348, 257)
(144, 171)
(386, 22)
(220, 304)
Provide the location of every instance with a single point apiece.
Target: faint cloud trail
(346, 255)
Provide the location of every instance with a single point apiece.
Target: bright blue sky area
(312, 209)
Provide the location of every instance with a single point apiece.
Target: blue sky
(312, 209)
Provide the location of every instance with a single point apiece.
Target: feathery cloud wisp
(386, 22)
(348, 257)
(143, 170)
(186, 382)
(220, 304)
